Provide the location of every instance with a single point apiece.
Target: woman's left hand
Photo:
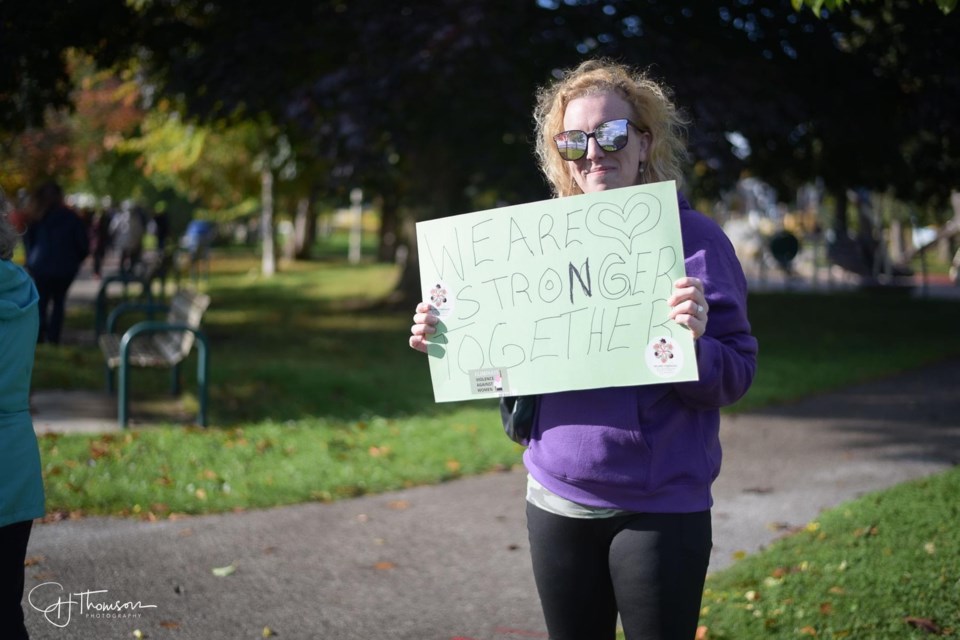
(688, 306)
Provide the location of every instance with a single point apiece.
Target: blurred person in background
(18, 216)
(100, 240)
(127, 229)
(57, 245)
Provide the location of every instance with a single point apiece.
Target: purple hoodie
(655, 448)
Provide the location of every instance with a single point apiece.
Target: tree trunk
(305, 227)
(355, 253)
(408, 292)
(269, 259)
(389, 228)
(898, 241)
(840, 225)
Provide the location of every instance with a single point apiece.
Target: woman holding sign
(618, 494)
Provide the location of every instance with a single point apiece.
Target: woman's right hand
(424, 325)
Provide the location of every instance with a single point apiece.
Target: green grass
(865, 569)
(930, 260)
(815, 343)
(158, 472)
(323, 381)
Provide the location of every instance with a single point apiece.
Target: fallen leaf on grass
(223, 572)
(60, 515)
(925, 624)
(808, 631)
(98, 450)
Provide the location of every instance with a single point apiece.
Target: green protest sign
(556, 295)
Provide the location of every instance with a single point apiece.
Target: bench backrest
(186, 308)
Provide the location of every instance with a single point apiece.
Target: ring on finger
(699, 309)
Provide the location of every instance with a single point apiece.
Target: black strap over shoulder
(518, 414)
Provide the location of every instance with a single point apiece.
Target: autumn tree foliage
(425, 104)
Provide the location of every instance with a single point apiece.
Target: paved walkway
(451, 561)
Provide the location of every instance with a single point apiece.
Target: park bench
(143, 278)
(158, 343)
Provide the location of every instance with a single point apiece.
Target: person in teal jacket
(21, 484)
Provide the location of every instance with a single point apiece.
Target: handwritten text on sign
(556, 295)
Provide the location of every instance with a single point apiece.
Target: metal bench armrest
(122, 308)
(156, 326)
(102, 300)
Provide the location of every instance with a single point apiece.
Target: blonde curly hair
(653, 108)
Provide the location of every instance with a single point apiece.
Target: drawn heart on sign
(638, 215)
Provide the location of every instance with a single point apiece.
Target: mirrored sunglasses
(610, 136)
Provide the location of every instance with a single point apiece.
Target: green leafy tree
(35, 36)
(817, 6)
(427, 103)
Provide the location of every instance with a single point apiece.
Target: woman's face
(599, 170)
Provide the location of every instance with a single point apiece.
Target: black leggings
(13, 551)
(649, 567)
(53, 292)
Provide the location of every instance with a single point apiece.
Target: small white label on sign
(489, 382)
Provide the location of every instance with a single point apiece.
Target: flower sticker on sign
(664, 357)
(557, 295)
(439, 296)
